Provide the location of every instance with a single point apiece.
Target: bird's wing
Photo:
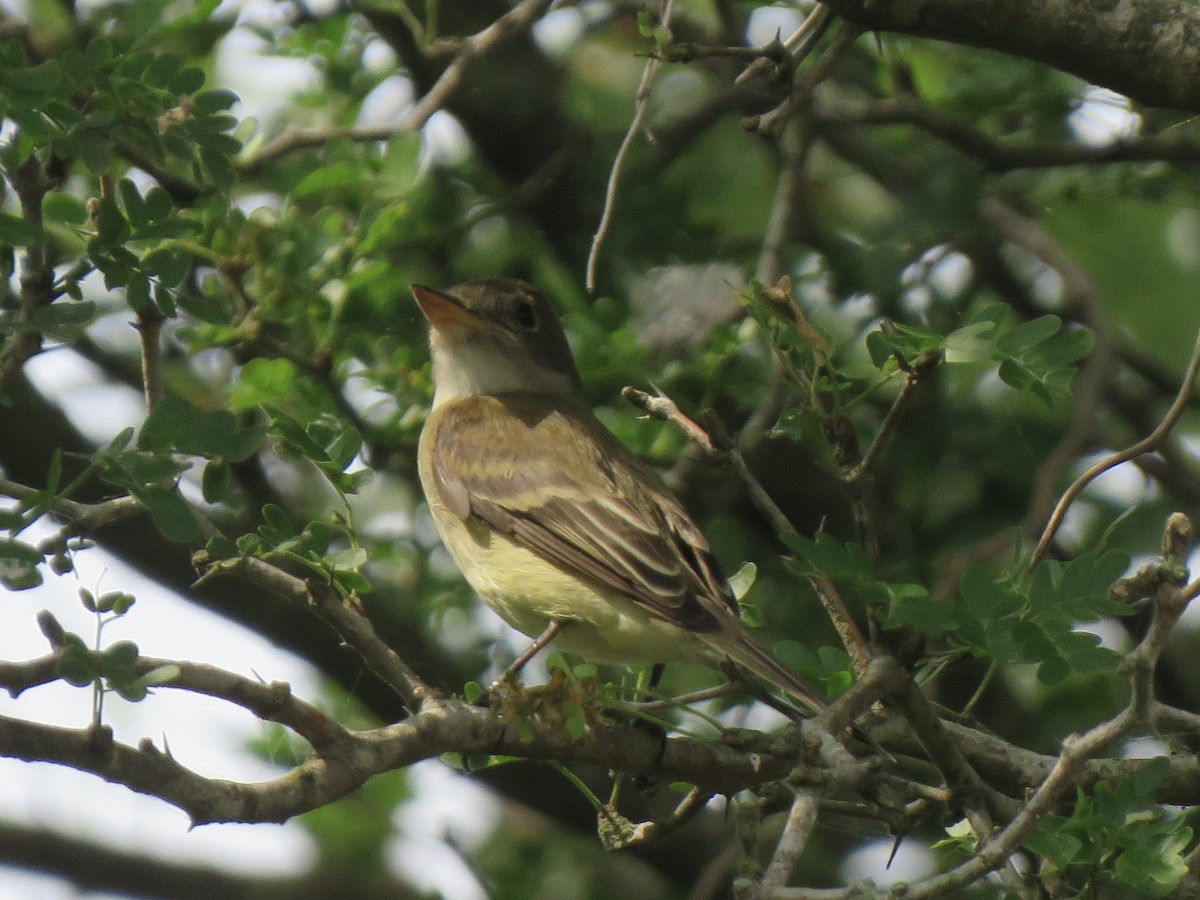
(553, 480)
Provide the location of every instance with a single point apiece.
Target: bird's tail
(745, 651)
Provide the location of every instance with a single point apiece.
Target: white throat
(481, 368)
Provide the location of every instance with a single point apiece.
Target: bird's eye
(525, 315)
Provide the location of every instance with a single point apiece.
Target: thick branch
(1146, 49)
(442, 727)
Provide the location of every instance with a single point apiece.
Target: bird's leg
(555, 626)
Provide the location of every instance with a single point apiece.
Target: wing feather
(554, 480)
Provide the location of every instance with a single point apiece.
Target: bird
(555, 524)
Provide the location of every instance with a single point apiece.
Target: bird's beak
(446, 313)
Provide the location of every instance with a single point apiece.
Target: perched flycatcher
(555, 523)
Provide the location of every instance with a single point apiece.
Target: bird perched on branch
(556, 525)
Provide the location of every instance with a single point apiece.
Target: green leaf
(135, 207)
(110, 601)
(828, 556)
(40, 79)
(574, 720)
(742, 580)
(19, 551)
(262, 381)
(16, 232)
(170, 512)
(118, 657)
(293, 437)
(64, 319)
(188, 81)
(65, 208)
(1028, 334)
(99, 52)
(111, 225)
(350, 559)
(19, 565)
(133, 690)
(971, 344)
(169, 415)
(215, 481)
(161, 70)
(158, 204)
(911, 606)
(326, 178)
(221, 548)
(1151, 870)
(344, 448)
(352, 581)
(277, 522)
(316, 538)
(77, 670)
(137, 292)
(1050, 839)
(210, 102)
(880, 349)
(216, 433)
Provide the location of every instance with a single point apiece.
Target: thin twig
(354, 628)
(793, 151)
(801, 820)
(641, 108)
(913, 375)
(520, 17)
(809, 32)
(998, 156)
(1077, 750)
(843, 623)
(30, 182)
(149, 328)
(772, 123)
(1145, 445)
(83, 517)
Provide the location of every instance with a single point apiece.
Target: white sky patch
(913, 861)
(558, 30)
(1190, 620)
(1112, 635)
(445, 803)
(387, 102)
(445, 139)
(99, 409)
(769, 22)
(1144, 748)
(1104, 117)
(1075, 524)
(265, 83)
(1124, 485)
(206, 735)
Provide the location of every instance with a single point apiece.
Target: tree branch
(1145, 49)
(996, 155)
(520, 17)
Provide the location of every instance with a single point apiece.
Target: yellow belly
(528, 592)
